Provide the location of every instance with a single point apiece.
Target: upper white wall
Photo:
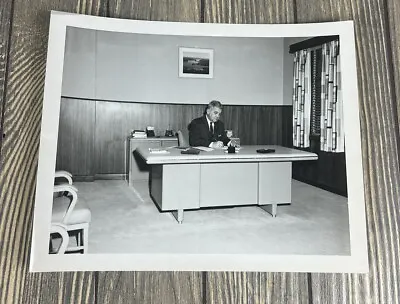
(79, 63)
(137, 67)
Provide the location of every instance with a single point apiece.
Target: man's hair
(212, 104)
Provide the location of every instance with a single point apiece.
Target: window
(316, 68)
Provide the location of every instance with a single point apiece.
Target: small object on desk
(265, 150)
(235, 141)
(169, 133)
(231, 149)
(190, 151)
(150, 131)
(139, 134)
(158, 151)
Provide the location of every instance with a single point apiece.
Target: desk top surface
(245, 154)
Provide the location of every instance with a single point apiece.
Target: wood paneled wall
(76, 137)
(23, 46)
(328, 172)
(92, 134)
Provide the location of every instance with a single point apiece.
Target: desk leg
(271, 209)
(178, 214)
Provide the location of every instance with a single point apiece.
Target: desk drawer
(169, 142)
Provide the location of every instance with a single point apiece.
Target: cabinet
(138, 169)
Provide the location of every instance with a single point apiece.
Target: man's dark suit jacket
(200, 135)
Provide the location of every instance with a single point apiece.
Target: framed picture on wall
(196, 63)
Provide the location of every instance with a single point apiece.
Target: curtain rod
(311, 43)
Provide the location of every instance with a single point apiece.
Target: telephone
(150, 131)
(169, 133)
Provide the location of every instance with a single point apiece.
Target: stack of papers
(158, 151)
(139, 134)
(204, 149)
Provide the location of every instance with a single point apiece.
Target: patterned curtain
(332, 127)
(301, 98)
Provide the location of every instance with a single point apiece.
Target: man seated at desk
(208, 130)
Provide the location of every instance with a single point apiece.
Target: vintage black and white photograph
(196, 63)
(252, 162)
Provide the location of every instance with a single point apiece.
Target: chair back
(182, 141)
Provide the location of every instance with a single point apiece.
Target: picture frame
(196, 62)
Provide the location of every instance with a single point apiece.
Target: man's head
(214, 110)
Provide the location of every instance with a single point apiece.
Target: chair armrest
(65, 187)
(61, 229)
(73, 191)
(65, 174)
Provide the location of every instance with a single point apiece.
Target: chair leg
(80, 235)
(85, 232)
(79, 238)
(64, 238)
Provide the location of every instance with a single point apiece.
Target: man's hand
(217, 144)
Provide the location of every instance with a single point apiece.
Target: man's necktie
(212, 128)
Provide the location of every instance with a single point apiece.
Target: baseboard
(91, 178)
(111, 176)
(83, 178)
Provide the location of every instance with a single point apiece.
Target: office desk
(180, 182)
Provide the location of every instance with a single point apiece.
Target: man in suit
(208, 130)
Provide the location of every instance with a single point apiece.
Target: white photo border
(209, 52)
(42, 261)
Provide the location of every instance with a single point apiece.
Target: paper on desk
(204, 149)
(158, 150)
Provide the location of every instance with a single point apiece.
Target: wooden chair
(73, 215)
(58, 229)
